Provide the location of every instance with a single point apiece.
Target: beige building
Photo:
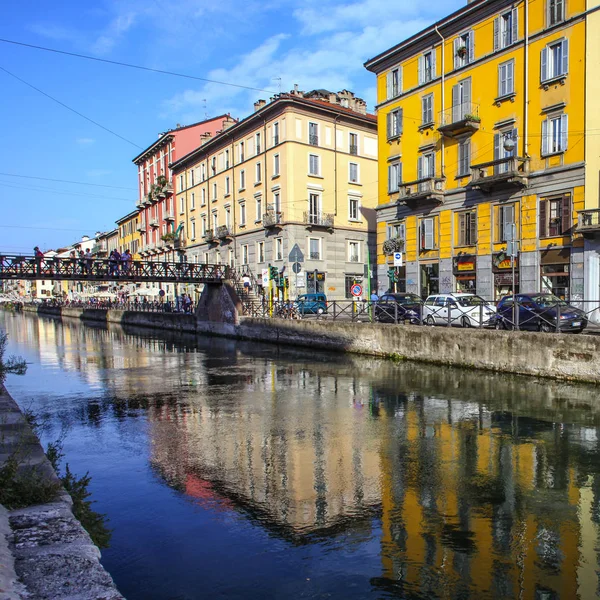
(299, 173)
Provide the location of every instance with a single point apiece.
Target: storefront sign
(464, 264)
(502, 262)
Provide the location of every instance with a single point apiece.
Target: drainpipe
(443, 84)
(525, 82)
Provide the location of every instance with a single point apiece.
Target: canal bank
(566, 357)
(44, 550)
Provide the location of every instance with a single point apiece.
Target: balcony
(179, 244)
(99, 249)
(429, 189)
(354, 149)
(140, 204)
(393, 245)
(223, 232)
(313, 140)
(148, 199)
(272, 219)
(461, 118)
(501, 173)
(209, 236)
(353, 258)
(275, 140)
(312, 219)
(169, 216)
(153, 222)
(141, 227)
(589, 221)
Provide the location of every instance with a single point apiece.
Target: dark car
(540, 312)
(398, 307)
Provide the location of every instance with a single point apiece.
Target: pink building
(156, 203)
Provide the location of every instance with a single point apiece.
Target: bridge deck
(80, 269)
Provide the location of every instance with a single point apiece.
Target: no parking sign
(356, 289)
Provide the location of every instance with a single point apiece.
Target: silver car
(460, 310)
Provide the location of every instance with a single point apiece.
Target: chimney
(295, 88)
(205, 137)
(259, 104)
(230, 121)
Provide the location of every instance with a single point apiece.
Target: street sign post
(356, 290)
(296, 255)
(265, 278)
(296, 267)
(398, 259)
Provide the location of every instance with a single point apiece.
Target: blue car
(540, 312)
(312, 304)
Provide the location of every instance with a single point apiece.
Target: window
(353, 208)
(554, 135)
(258, 173)
(278, 249)
(394, 124)
(191, 177)
(277, 203)
(467, 228)
(213, 165)
(426, 67)
(505, 29)
(464, 49)
(241, 152)
(181, 205)
(353, 144)
(275, 134)
(314, 166)
(227, 159)
(314, 208)
(555, 216)
(276, 165)
(426, 166)
(555, 60)
(257, 143)
(181, 183)
(192, 201)
(394, 83)
(314, 248)
(260, 252)
(193, 227)
(506, 78)
(396, 230)
(203, 172)
(427, 109)
(464, 157)
(214, 192)
(242, 215)
(228, 217)
(461, 101)
(313, 134)
(242, 180)
(353, 172)
(353, 252)
(203, 197)
(427, 237)
(500, 152)
(227, 186)
(505, 218)
(394, 177)
(556, 12)
(215, 220)
(258, 201)
(204, 225)
(245, 254)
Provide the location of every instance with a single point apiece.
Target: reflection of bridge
(93, 269)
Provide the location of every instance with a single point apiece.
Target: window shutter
(515, 25)
(564, 132)
(392, 178)
(431, 165)
(399, 80)
(428, 234)
(433, 71)
(456, 103)
(399, 122)
(566, 213)
(421, 69)
(502, 72)
(420, 167)
(543, 218)
(565, 57)
(473, 228)
(457, 61)
(389, 125)
(389, 85)
(544, 73)
(497, 33)
(471, 46)
(545, 140)
(463, 226)
(466, 97)
(497, 137)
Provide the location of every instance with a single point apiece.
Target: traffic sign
(265, 277)
(296, 267)
(356, 289)
(161, 293)
(398, 259)
(296, 255)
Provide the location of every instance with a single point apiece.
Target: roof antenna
(279, 80)
(204, 106)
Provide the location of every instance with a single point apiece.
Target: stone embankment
(564, 356)
(45, 553)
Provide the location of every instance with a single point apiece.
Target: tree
(12, 364)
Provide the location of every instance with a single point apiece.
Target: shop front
(315, 282)
(429, 279)
(555, 272)
(464, 268)
(505, 277)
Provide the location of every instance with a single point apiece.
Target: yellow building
(482, 124)
(299, 173)
(129, 234)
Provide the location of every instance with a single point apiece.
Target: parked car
(463, 310)
(312, 304)
(401, 306)
(539, 312)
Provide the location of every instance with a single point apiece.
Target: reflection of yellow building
(482, 122)
(129, 234)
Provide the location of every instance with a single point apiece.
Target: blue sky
(262, 44)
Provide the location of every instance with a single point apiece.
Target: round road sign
(161, 293)
(296, 267)
(356, 290)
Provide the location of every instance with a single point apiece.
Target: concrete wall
(569, 357)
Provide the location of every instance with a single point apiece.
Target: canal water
(235, 470)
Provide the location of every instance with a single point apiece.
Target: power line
(16, 186)
(39, 228)
(129, 65)
(69, 108)
(114, 187)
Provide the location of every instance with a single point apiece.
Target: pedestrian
(374, 297)
(113, 262)
(126, 261)
(187, 303)
(81, 262)
(39, 256)
(246, 282)
(88, 261)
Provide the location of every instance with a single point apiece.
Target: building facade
(292, 186)
(486, 133)
(156, 204)
(129, 236)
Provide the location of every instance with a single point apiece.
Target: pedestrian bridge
(15, 267)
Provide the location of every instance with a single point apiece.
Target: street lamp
(509, 143)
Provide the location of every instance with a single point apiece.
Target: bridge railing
(31, 267)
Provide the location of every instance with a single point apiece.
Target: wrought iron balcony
(589, 221)
(354, 149)
(209, 236)
(353, 258)
(272, 219)
(461, 118)
(318, 219)
(99, 248)
(313, 140)
(315, 255)
(223, 232)
(504, 172)
(429, 189)
(391, 245)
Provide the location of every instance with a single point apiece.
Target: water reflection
(461, 484)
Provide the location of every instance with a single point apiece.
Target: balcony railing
(153, 222)
(141, 227)
(272, 218)
(209, 235)
(275, 140)
(460, 118)
(98, 249)
(589, 220)
(426, 189)
(169, 216)
(315, 255)
(140, 204)
(504, 172)
(313, 140)
(223, 232)
(318, 219)
(354, 149)
(353, 258)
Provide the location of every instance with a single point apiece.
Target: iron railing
(589, 220)
(503, 168)
(319, 219)
(459, 113)
(272, 218)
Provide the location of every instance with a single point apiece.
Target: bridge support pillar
(219, 303)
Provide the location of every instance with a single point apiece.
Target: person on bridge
(126, 260)
(113, 262)
(88, 261)
(39, 256)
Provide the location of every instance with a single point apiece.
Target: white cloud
(115, 31)
(85, 141)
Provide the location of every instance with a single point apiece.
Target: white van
(463, 310)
